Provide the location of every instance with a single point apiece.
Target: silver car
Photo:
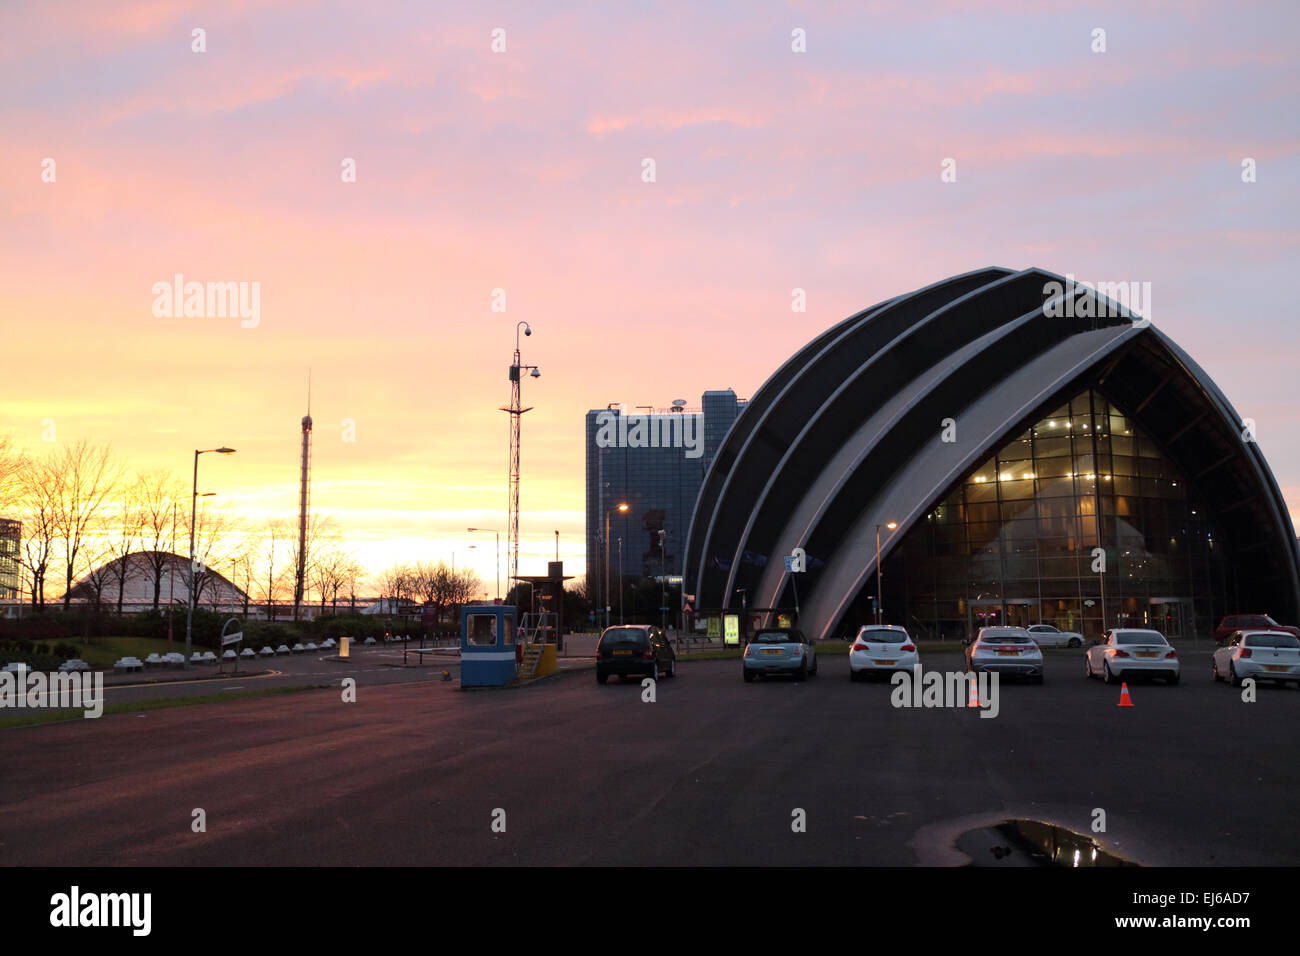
(1005, 650)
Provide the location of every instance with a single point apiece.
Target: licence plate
(1276, 668)
(773, 650)
(884, 663)
(1008, 653)
(618, 653)
(1147, 654)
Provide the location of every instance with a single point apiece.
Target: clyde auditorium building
(1006, 434)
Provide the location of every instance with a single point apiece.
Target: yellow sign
(731, 625)
(715, 628)
(783, 620)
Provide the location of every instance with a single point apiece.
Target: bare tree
(158, 492)
(129, 520)
(399, 582)
(39, 496)
(213, 540)
(87, 478)
(353, 573)
(12, 465)
(275, 550)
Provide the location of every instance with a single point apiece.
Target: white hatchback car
(1045, 635)
(1263, 655)
(881, 649)
(1126, 652)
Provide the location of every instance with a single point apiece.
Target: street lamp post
(663, 585)
(498, 534)
(880, 597)
(622, 506)
(194, 507)
(620, 582)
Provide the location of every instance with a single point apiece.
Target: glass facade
(658, 482)
(10, 541)
(1014, 542)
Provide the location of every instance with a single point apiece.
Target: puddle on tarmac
(1034, 843)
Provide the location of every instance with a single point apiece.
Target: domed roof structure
(1092, 426)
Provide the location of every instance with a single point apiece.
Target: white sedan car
(1126, 652)
(881, 649)
(1005, 650)
(1263, 655)
(1045, 635)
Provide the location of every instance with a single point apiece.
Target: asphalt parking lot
(711, 773)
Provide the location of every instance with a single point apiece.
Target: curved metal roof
(847, 434)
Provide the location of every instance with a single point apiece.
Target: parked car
(1045, 635)
(639, 650)
(1263, 655)
(1250, 622)
(779, 650)
(1005, 650)
(881, 649)
(74, 664)
(1126, 652)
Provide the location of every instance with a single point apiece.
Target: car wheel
(1087, 666)
(1172, 681)
(1233, 679)
(601, 677)
(813, 672)
(749, 676)
(654, 672)
(802, 672)
(857, 677)
(1214, 669)
(672, 667)
(1106, 675)
(1075, 642)
(1041, 679)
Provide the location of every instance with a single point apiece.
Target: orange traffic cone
(1124, 700)
(974, 692)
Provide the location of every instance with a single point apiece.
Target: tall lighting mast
(516, 411)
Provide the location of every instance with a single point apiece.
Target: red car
(1250, 622)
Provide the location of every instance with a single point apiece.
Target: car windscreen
(882, 636)
(778, 637)
(1272, 640)
(1139, 637)
(625, 635)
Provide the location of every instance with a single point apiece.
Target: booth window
(482, 629)
(509, 631)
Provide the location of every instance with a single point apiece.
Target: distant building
(653, 460)
(136, 574)
(11, 533)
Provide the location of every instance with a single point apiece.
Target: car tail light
(648, 653)
(907, 648)
(859, 646)
(1116, 652)
(1172, 653)
(1244, 652)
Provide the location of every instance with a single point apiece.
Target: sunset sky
(522, 170)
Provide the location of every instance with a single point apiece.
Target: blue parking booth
(487, 645)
